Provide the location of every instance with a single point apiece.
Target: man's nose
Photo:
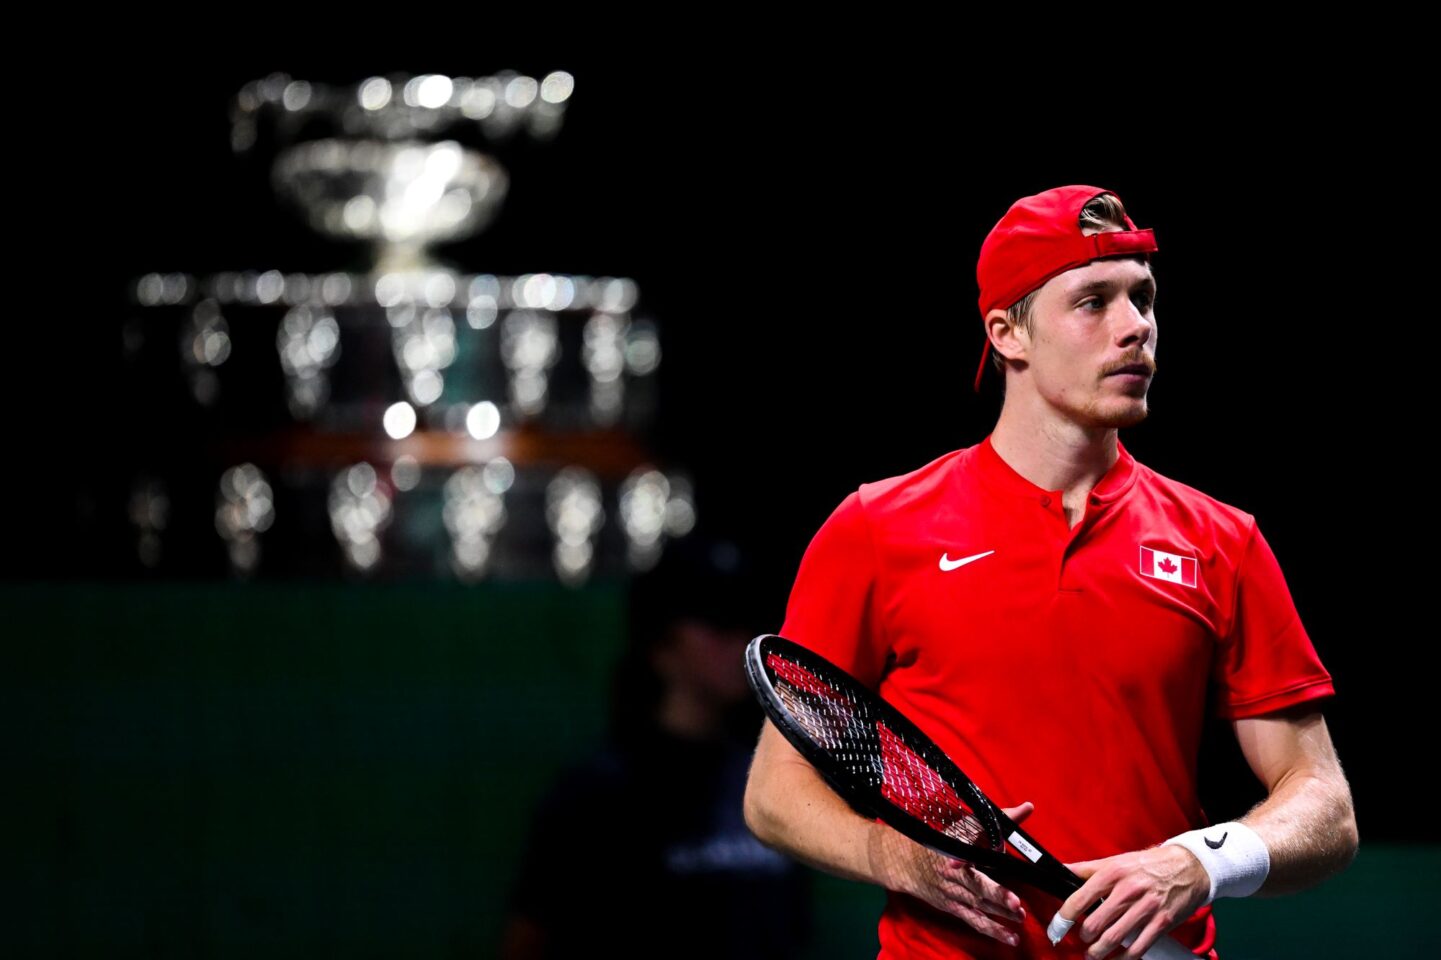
(1134, 325)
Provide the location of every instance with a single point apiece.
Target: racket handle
(1166, 948)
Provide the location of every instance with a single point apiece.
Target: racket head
(873, 756)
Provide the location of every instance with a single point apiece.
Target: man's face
(1088, 325)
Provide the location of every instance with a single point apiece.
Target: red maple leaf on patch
(1166, 566)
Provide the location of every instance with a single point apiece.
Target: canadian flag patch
(1168, 566)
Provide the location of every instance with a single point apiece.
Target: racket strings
(912, 785)
(871, 753)
(830, 718)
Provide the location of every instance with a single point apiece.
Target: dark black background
(803, 222)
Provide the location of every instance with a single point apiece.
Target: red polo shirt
(1069, 666)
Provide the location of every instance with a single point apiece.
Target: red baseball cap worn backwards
(1040, 237)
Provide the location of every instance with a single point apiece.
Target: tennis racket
(884, 766)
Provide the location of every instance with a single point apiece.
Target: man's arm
(790, 807)
(1306, 822)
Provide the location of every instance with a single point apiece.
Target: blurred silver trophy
(453, 423)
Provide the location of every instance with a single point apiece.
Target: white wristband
(1235, 858)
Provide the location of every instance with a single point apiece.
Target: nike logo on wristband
(948, 564)
(1216, 844)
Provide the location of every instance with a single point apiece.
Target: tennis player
(1060, 619)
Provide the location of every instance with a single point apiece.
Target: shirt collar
(1001, 475)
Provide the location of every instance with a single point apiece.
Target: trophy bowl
(406, 195)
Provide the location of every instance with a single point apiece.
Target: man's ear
(1006, 339)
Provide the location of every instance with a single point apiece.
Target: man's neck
(1054, 454)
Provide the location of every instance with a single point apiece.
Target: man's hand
(1146, 894)
(953, 886)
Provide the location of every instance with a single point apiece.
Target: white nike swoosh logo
(948, 564)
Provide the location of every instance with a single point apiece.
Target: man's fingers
(988, 894)
(1103, 917)
(983, 924)
(1154, 931)
(967, 893)
(1020, 812)
(1114, 935)
(1073, 910)
(1076, 905)
(1058, 928)
(979, 882)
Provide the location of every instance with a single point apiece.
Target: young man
(1051, 612)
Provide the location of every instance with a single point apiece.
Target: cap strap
(1114, 243)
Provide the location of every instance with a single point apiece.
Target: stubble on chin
(1114, 419)
(1112, 416)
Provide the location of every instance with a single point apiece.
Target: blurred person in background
(643, 846)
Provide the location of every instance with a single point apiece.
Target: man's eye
(1093, 300)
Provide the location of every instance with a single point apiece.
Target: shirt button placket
(1052, 505)
(1074, 535)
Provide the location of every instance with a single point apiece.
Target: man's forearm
(1307, 822)
(1309, 830)
(790, 807)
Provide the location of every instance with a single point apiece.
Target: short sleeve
(832, 605)
(1266, 661)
